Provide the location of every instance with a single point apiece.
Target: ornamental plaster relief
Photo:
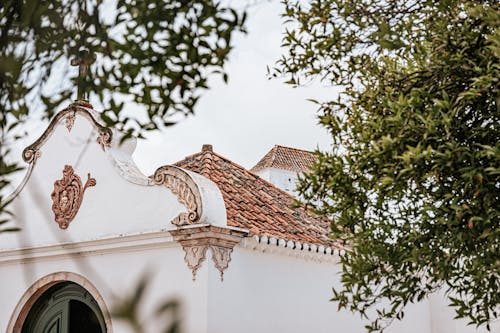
(197, 240)
(68, 115)
(191, 190)
(221, 256)
(32, 153)
(124, 202)
(185, 189)
(67, 196)
(195, 255)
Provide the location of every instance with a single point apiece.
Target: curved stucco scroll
(32, 153)
(185, 189)
(68, 115)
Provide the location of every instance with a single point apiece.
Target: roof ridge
(262, 179)
(206, 163)
(293, 148)
(230, 161)
(286, 158)
(234, 164)
(253, 174)
(187, 157)
(268, 158)
(274, 154)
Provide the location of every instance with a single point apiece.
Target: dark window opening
(65, 308)
(82, 319)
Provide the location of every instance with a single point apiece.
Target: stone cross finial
(83, 61)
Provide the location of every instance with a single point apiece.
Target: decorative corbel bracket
(197, 240)
(185, 189)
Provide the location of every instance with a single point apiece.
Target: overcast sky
(243, 119)
(248, 116)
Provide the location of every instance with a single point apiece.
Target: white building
(217, 237)
(281, 166)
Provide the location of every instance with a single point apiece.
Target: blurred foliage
(413, 182)
(6, 169)
(130, 310)
(155, 55)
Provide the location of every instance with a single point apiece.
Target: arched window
(65, 308)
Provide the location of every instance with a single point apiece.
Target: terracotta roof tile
(286, 158)
(255, 204)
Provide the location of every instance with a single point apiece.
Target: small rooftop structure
(282, 165)
(286, 158)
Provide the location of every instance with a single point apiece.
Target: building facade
(221, 240)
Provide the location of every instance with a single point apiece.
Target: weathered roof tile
(257, 205)
(286, 158)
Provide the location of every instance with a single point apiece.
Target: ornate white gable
(81, 184)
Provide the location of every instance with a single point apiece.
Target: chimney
(207, 148)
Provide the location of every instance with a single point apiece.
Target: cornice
(310, 252)
(123, 243)
(195, 240)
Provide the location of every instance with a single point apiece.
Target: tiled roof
(255, 204)
(286, 158)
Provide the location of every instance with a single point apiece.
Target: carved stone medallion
(68, 195)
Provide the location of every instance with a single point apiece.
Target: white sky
(248, 116)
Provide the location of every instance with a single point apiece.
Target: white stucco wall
(273, 292)
(115, 271)
(119, 232)
(113, 206)
(281, 290)
(283, 179)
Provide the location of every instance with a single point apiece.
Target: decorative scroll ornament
(195, 255)
(221, 257)
(68, 115)
(186, 191)
(104, 140)
(196, 240)
(70, 120)
(68, 195)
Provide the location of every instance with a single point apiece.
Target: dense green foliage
(155, 55)
(413, 182)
